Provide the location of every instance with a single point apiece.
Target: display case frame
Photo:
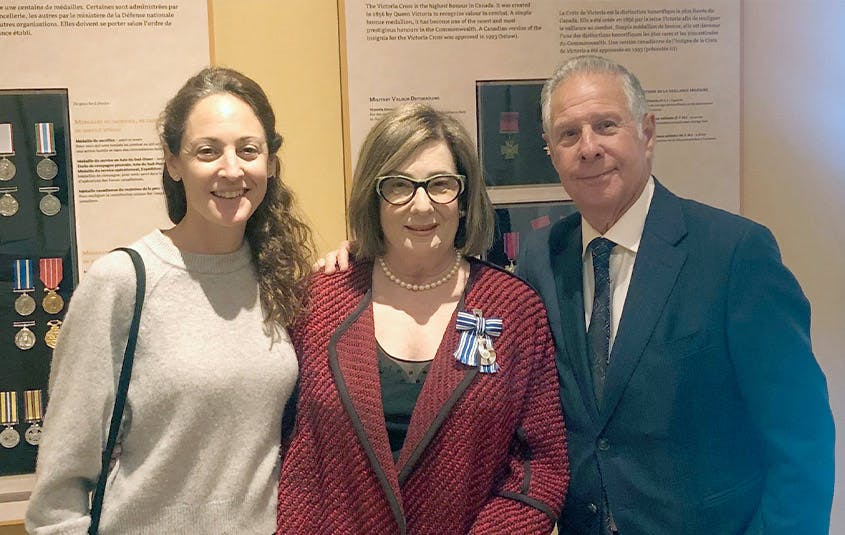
(37, 251)
(513, 154)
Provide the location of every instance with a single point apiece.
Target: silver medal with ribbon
(475, 347)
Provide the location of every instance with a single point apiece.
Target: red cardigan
(485, 453)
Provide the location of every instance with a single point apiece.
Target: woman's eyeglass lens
(399, 190)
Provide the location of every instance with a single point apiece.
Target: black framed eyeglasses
(399, 189)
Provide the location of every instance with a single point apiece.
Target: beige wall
(793, 170)
(291, 48)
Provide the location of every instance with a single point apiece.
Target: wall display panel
(510, 143)
(37, 260)
(686, 53)
(120, 62)
(515, 222)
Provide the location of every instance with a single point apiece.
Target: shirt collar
(628, 230)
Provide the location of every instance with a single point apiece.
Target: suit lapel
(446, 382)
(354, 365)
(567, 266)
(659, 260)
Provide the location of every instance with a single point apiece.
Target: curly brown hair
(280, 242)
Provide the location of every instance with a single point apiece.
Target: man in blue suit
(693, 401)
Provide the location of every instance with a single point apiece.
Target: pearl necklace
(421, 287)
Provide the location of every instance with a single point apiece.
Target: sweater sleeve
(529, 499)
(82, 382)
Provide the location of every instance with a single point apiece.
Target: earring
(462, 213)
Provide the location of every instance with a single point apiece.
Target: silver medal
(486, 352)
(25, 305)
(9, 438)
(7, 169)
(47, 169)
(25, 339)
(33, 434)
(8, 205)
(33, 413)
(50, 205)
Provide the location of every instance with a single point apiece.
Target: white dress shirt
(626, 234)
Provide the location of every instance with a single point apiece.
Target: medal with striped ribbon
(510, 241)
(7, 148)
(475, 347)
(46, 168)
(9, 437)
(33, 412)
(24, 282)
(50, 273)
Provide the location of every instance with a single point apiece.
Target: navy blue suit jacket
(716, 417)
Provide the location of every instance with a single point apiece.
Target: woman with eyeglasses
(428, 397)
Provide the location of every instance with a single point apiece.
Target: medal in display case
(38, 261)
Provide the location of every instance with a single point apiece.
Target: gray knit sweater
(200, 447)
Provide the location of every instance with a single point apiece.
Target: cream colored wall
(291, 48)
(793, 171)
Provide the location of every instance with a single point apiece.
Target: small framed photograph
(516, 164)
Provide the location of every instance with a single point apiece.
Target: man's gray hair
(637, 104)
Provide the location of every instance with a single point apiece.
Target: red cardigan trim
(357, 424)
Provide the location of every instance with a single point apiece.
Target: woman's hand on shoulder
(337, 260)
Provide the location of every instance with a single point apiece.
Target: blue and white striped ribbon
(22, 275)
(44, 138)
(473, 327)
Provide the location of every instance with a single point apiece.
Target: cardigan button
(593, 508)
(604, 444)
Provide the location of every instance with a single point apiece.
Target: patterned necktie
(598, 334)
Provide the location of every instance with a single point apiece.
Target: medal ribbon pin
(476, 344)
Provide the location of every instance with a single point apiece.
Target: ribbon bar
(50, 272)
(8, 408)
(510, 240)
(7, 140)
(44, 137)
(509, 122)
(22, 275)
(34, 406)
